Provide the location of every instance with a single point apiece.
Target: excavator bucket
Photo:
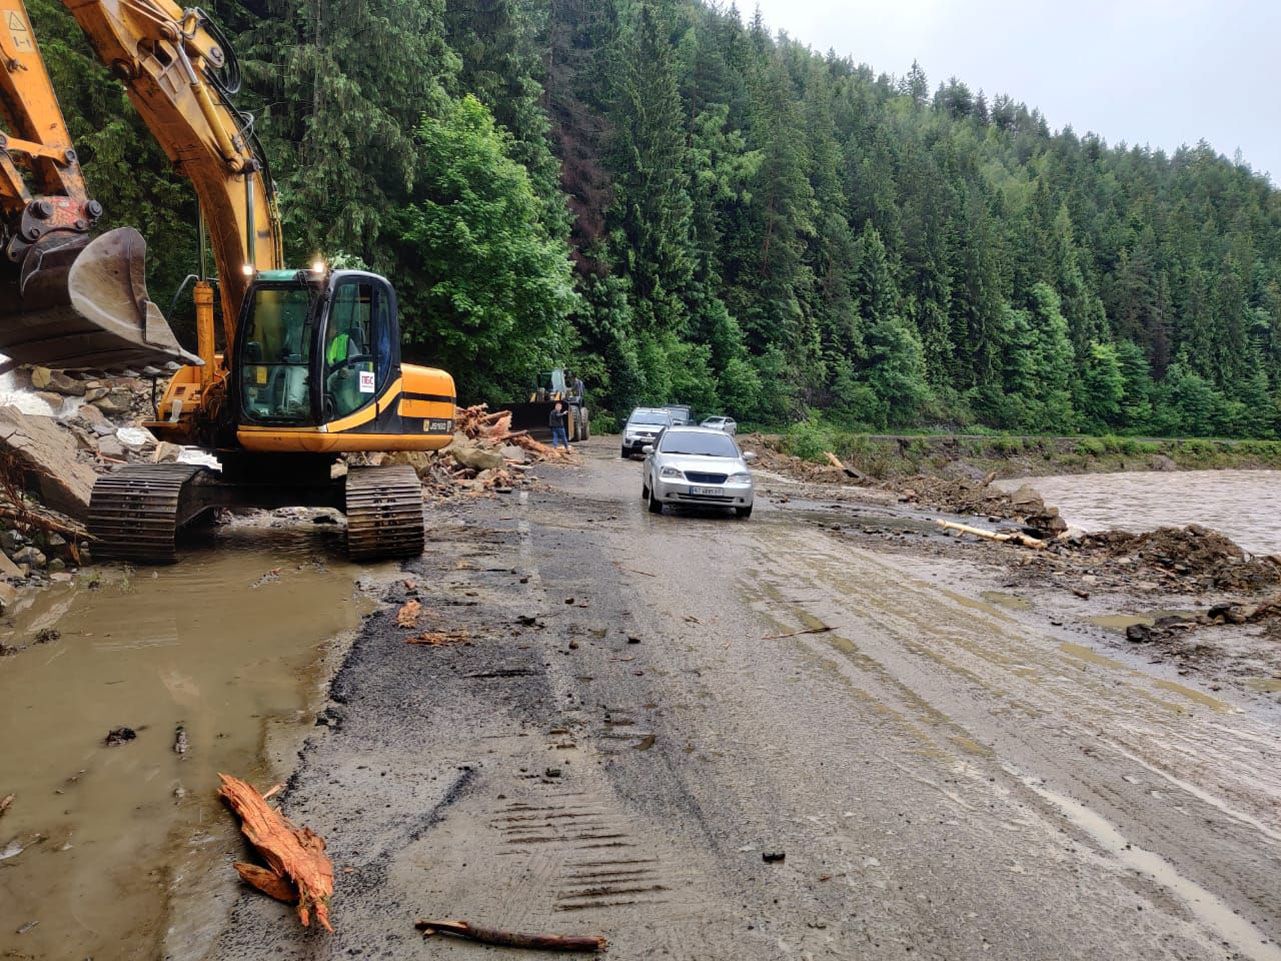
(77, 304)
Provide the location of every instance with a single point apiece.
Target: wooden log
(1015, 537)
(849, 471)
(293, 854)
(513, 939)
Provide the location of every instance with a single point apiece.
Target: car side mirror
(647, 449)
(749, 455)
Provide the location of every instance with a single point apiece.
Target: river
(1237, 503)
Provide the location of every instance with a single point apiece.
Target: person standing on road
(556, 421)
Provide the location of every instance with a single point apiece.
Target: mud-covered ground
(940, 751)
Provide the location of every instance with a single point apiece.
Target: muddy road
(635, 719)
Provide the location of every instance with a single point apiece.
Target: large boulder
(477, 458)
(46, 453)
(55, 381)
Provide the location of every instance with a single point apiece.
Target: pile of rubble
(485, 456)
(1194, 556)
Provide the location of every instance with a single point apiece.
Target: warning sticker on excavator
(19, 32)
(366, 381)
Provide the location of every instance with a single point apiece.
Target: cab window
(357, 347)
(274, 363)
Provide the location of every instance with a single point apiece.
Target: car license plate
(705, 491)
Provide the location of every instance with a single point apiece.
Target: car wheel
(743, 513)
(623, 454)
(644, 491)
(655, 505)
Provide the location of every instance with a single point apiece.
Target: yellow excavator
(310, 367)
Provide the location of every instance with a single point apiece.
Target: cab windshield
(661, 418)
(277, 350)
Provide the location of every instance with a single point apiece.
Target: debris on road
(408, 615)
(5, 803)
(298, 870)
(845, 468)
(119, 735)
(1010, 537)
(439, 638)
(180, 740)
(809, 630)
(773, 857)
(513, 939)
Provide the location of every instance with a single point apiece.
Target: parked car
(724, 424)
(643, 425)
(680, 414)
(697, 465)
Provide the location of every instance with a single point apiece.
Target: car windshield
(649, 417)
(704, 445)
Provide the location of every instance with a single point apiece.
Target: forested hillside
(685, 206)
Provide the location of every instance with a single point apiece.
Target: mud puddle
(230, 644)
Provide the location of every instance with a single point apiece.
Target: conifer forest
(680, 203)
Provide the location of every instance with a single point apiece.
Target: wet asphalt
(710, 738)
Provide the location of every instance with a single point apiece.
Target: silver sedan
(697, 466)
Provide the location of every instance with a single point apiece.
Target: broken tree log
(513, 939)
(295, 856)
(1010, 537)
(849, 471)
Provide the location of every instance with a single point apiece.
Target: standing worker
(578, 390)
(556, 421)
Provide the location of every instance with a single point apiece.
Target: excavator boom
(69, 301)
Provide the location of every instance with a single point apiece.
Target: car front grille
(696, 478)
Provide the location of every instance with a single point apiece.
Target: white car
(697, 466)
(725, 424)
(643, 425)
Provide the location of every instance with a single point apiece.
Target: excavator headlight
(318, 267)
(248, 270)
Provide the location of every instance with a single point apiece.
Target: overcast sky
(1156, 72)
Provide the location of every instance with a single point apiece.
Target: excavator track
(135, 513)
(384, 507)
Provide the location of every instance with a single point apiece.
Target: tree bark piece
(295, 856)
(809, 630)
(268, 882)
(513, 939)
(1012, 537)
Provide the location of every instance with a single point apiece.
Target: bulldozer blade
(78, 304)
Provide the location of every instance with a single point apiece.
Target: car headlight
(670, 472)
(742, 477)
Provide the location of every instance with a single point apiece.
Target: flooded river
(100, 841)
(1240, 503)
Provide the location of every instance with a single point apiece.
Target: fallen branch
(812, 630)
(513, 939)
(1012, 537)
(295, 856)
(439, 638)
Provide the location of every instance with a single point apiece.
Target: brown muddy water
(1238, 503)
(122, 852)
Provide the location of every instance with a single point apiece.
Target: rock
(116, 402)
(54, 401)
(135, 438)
(773, 857)
(1138, 633)
(8, 568)
(33, 557)
(8, 596)
(47, 453)
(1163, 463)
(11, 541)
(476, 458)
(55, 381)
(119, 735)
(1027, 500)
(57, 565)
(111, 447)
(515, 454)
(165, 453)
(55, 539)
(89, 415)
(419, 460)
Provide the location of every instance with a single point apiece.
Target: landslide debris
(1195, 556)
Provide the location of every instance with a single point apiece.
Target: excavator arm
(70, 302)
